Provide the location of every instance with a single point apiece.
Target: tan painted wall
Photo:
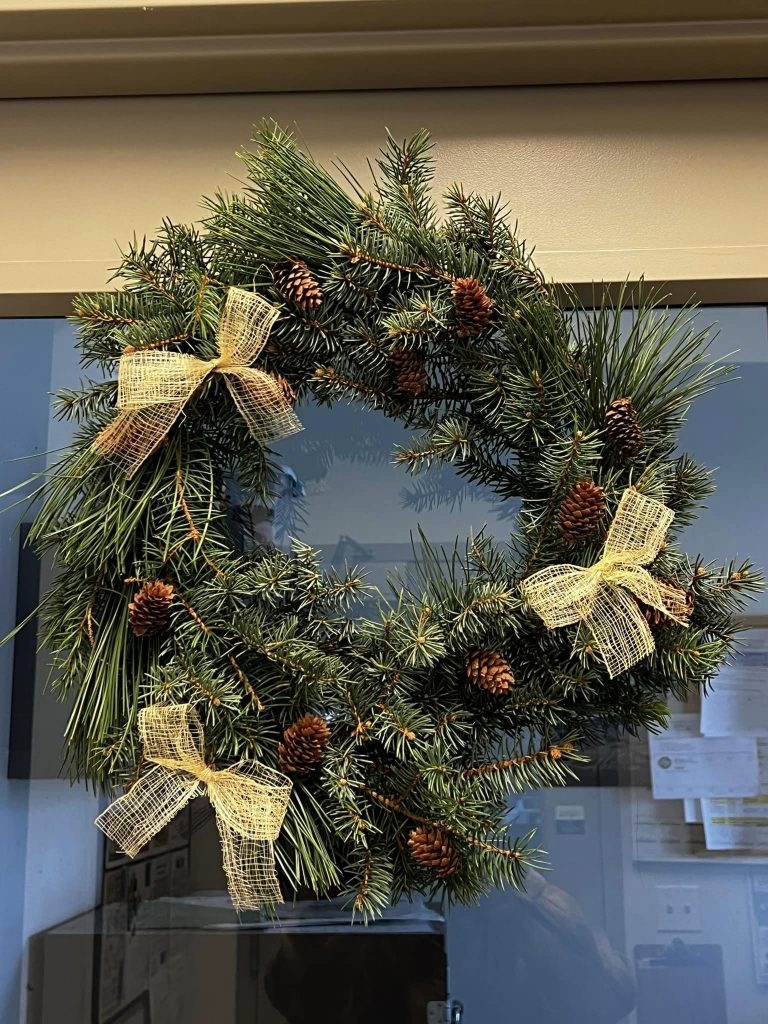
(609, 181)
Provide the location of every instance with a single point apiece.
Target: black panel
(24, 663)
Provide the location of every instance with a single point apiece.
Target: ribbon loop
(158, 378)
(250, 801)
(150, 804)
(638, 530)
(599, 595)
(246, 321)
(153, 386)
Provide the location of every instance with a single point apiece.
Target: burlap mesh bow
(601, 595)
(154, 386)
(250, 801)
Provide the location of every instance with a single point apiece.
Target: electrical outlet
(678, 908)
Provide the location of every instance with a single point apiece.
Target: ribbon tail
(619, 629)
(154, 800)
(250, 800)
(249, 865)
(134, 434)
(261, 403)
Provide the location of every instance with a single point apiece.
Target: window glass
(634, 920)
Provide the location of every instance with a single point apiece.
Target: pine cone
(489, 670)
(623, 429)
(581, 512)
(150, 610)
(473, 306)
(431, 848)
(294, 280)
(303, 744)
(288, 393)
(682, 606)
(409, 373)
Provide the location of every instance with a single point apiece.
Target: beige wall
(609, 181)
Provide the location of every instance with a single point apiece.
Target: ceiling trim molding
(50, 48)
(744, 292)
(728, 275)
(705, 292)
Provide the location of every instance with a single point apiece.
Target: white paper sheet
(738, 702)
(740, 824)
(683, 723)
(736, 824)
(686, 767)
(687, 723)
(692, 812)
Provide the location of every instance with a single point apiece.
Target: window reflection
(634, 921)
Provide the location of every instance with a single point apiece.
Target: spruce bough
(404, 762)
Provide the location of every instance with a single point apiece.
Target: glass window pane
(634, 921)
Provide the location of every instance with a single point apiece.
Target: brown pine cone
(623, 429)
(150, 610)
(682, 606)
(431, 848)
(581, 512)
(410, 376)
(294, 280)
(303, 744)
(288, 393)
(489, 670)
(473, 306)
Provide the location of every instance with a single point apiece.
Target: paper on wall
(692, 812)
(690, 767)
(739, 824)
(736, 824)
(738, 701)
(683, 723)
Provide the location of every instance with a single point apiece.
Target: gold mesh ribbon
(603, 595)
(154, 386)
(250, 801)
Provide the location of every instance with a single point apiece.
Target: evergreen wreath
(404, 734)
